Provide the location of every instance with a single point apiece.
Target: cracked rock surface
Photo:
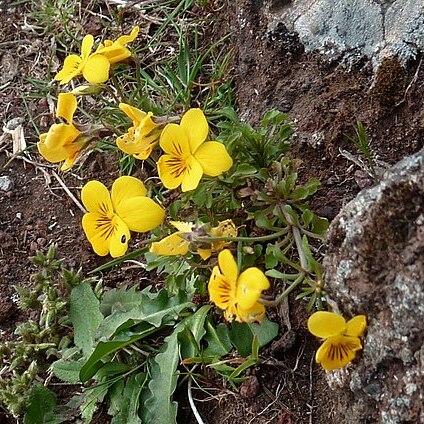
(375, 266)
(353, 28)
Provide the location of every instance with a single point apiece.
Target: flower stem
(245, 239)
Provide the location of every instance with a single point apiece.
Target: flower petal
(196, 127)
(256, 313)
(326, 324)
(228, 266)
(170, 246)
(250, 285)
(136, 115)
(66, 106)
(96, 69)
(58, 144)
(221, 290)
(174, 141)
(171, 171)
(119, 239)
(140, 213)
(126, 187)
(69, 162)
(72, 67)
(96, 198)
(213, 158)
(125, 39)
(356, 326)
(86, 46)
(94, 233)
(192, 176)
(336, 352)
(204, 253)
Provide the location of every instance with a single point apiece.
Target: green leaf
(218, 340)
(85, 316)
(67, 370)
(158, 406)
(273, 273)
(150, 307)
(125, 400)
(249, 362)
(242, 334)
(41, 406)
(119, 300)
(104, 349)
(195, 324)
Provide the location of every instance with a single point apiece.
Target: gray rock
(375, 266)
(6, 183)
(353, 28)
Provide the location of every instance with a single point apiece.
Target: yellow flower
(94, 67)
(176, 244)
(115, 51)
(341, 338)
(237, 295)
(64, 141)
(111, 216)
(187, 156)
(142, 137)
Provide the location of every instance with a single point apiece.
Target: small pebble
(250, 388)
(5, 183)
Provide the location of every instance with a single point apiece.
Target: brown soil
(271, 71)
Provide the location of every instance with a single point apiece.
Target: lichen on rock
(375, 266)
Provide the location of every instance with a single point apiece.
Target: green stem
(245, 239)
(286, 292)
(311, 234)
(301, 253)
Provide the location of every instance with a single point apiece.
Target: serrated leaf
(151, 308)
(90, 398)
(158, 406)
(104, 349)
(125, 400)
(67, 370)
(85, 316)
(195, 324)
(218, 340)
(119, 300)
(41, 406)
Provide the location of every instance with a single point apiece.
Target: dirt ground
(270, 71)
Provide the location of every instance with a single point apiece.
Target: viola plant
(188, 155)
(112, 215)
(63, 141)
(341, 339)
(143, 136)
(185, 239)
(95, 67)
(237, 294)
(245, 237)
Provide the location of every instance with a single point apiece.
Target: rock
(5, 183)
(353, 28)
(375, 266)
(250, 388)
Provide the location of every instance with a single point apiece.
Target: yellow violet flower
(94, 67)
(112, 215)
(341, 338)
(63, 141)
(187, 155)
(142, 137)
(115, 51)
(176, 244)
(237, 294)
